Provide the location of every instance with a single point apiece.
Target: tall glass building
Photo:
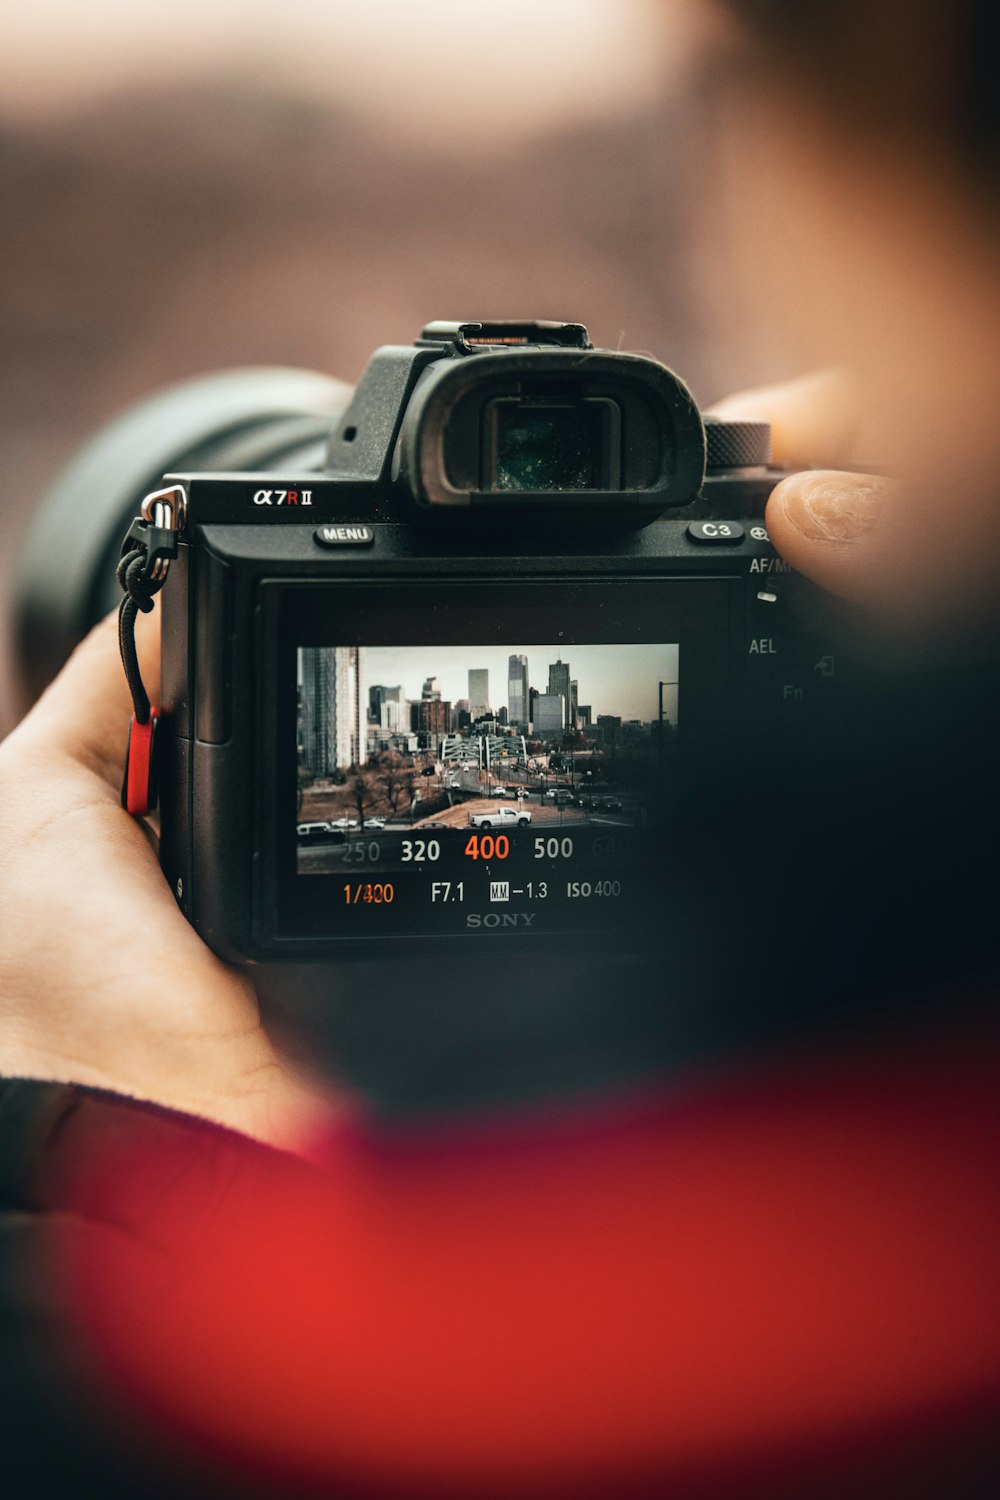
(330, 731)
(559, 682)
(479, 692)
(517, 689)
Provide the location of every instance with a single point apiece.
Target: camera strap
(148, 549)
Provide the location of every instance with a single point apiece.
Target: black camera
(447, 683)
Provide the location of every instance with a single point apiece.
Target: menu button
(344, 536)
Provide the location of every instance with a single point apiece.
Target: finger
(84, 713)
(814, 420)
(826, 524)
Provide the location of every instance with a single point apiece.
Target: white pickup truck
(501, 817)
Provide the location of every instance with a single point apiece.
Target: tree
(393, 776)
(362, 791)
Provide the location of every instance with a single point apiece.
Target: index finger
(814, 419)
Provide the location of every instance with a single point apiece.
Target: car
(343, 823)
(498, 791)
(375, 822)
(312, 832)
(609, 804)
(501, 817)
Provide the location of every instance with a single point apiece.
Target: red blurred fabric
(758, 1279)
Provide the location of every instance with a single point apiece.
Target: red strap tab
(139, 791)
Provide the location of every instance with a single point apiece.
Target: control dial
(737, 445)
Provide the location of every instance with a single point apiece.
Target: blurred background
(228, 182)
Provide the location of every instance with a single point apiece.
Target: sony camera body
(449, 688)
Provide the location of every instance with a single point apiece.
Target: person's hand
(825, 520)
(102, 981)
(918, 556)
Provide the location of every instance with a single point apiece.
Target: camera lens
(240, 419)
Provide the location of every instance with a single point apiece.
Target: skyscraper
(609, 729)
(392, 716)
(559, 683)
(517, 689)
(549, 716)
(378, 696)
(432, 717)
(460, 716)
(331, 711)
(479, 692)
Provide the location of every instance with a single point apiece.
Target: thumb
(84, 713)
(826, 524)
(824, 521)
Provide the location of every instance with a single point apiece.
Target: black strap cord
(147, 551)
(139, 592)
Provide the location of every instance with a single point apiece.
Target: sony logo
(495, 919)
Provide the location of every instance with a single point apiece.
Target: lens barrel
(255, 419)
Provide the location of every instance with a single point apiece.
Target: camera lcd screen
(443, 774)
(408, 753)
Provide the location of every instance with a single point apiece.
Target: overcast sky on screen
(620, 680)
(508, 65)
